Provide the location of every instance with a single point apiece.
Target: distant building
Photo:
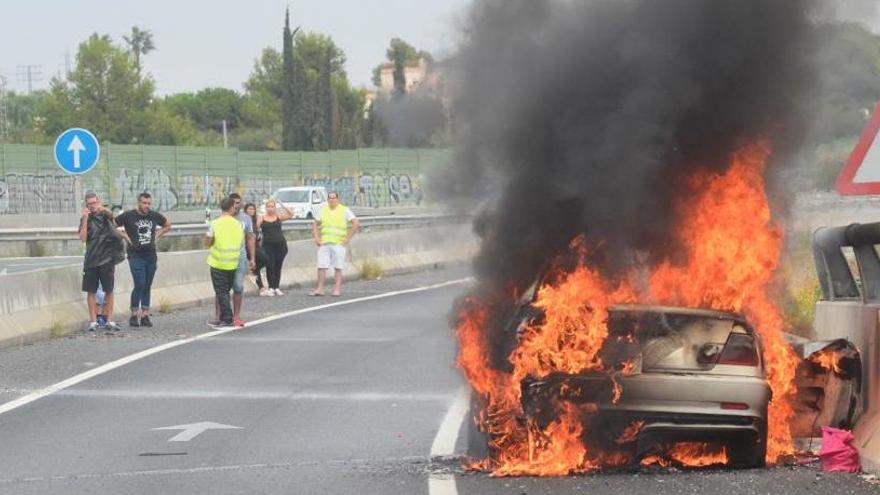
(414, 73)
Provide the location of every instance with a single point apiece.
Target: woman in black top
(274, 244)
(250, 210)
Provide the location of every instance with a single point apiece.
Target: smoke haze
(588, 117)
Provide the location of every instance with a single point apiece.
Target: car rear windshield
(663, 341)
(292, 196)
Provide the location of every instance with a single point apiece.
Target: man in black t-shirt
(141, 226)
(103, 252)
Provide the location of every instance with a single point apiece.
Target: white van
(304, 201)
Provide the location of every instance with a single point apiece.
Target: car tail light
(739, 350)
(734, 406)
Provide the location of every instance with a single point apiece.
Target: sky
(202, 43)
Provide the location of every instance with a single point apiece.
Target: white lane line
(214, 469)
(248, 395)
(444, 442)
(51, 389)
(447, 435)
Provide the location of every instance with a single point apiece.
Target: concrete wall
(40, 304)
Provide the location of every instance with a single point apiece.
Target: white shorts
(331, 256)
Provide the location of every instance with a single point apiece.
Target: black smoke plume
(588, 117)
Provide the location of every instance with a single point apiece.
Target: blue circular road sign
(77, 151)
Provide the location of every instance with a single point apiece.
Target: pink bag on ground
(838, 453)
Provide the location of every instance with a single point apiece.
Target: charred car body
(675, 375)
(672, 375)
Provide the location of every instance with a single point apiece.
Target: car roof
(651, 308)
(298, 188)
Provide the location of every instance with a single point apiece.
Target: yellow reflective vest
(334, 226)
(228, 238)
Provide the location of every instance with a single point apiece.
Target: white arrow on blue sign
(77, 151)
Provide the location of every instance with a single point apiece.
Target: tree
(140, 42)
(400, 54)
(291, 94)
(208, 108)
(264, 89)
(106, 93)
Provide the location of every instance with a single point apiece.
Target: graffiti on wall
(50, 193)
(190, 191)
(374, 190)
(31, 193)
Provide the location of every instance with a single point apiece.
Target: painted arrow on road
(76, 146)
(193, 430)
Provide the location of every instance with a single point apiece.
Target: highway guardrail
(191, 229)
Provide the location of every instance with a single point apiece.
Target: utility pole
(4, 116)
(225, 140)
(30, 74)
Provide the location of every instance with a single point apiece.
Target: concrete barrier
(860, 324)
(44, 303)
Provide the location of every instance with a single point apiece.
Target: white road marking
(444, 442)
(447, 435)
(51, 389)
(252, 395)
(193, 430)
(442, 484)
(212, 469)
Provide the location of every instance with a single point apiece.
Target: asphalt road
(346, 399)
(15, 265)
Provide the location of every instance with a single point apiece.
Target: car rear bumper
(686, 407)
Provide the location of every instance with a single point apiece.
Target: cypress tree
(289, 134)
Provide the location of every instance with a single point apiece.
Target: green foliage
(140, 42)
(264, 89)
(22, 111)
(209, 107)
(105, 92)
(848, 60)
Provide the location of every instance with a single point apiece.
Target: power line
(30, 74)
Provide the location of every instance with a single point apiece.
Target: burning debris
(643, 131)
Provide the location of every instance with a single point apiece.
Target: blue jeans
(142, 272)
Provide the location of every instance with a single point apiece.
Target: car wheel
(309, 216)
(746, 453)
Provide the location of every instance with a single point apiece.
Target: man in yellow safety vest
(224, 241)
(334, 226)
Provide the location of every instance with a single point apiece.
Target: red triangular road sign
(861, 175)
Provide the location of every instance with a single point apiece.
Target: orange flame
(732, 249)
(630, 433)
(689, 454)
(828, 359)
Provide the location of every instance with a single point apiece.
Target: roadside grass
(56, 329)
(801, 287)
(370, 270)
(164, 305)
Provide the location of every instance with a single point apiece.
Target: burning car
(672, 378)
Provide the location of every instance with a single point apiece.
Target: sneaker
(133, 321)
(145, 321)
(270, 292)
(264, 292)
(113, 327)
(238, 323)
(224, 325)
(278, 292)
(93, 326)
(214, 323)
